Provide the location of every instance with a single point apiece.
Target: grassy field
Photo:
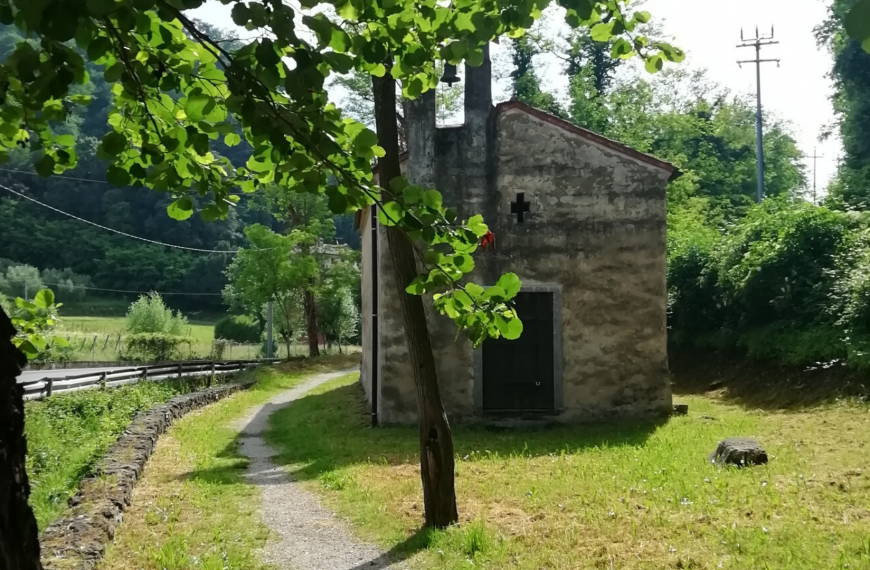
(192, 508)
(633, 497)
(96, 338)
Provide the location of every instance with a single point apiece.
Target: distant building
(581, 219)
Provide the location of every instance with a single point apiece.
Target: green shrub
(238, 328)
(149, 314)
(153, 346)
(779, 263)
(789, 283)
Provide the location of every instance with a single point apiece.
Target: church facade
(581, 220)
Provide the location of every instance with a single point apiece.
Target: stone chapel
(581, 220)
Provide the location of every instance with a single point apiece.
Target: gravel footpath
(309, 537)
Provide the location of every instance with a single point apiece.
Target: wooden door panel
(519, 375)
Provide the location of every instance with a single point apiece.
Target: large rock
(739, 451)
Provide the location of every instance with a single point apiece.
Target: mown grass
(68, 433)
(192, 508)
(627, 496)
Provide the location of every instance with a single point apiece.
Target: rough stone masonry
(582, 220)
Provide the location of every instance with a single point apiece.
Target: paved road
(31, 375)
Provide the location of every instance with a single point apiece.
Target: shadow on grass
(323, 432)
(754, 384)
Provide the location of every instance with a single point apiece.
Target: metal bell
(449, 76)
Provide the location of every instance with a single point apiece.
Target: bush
(789, 282)
(153, 346)
(238, 328)
(149, 314)
(780, 262)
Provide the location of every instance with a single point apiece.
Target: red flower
(487, 240)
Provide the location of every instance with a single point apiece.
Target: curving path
(309, 537)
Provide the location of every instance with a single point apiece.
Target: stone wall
(78, 540)
(595, 234)
(597, 231)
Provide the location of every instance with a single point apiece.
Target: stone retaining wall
(77, 541)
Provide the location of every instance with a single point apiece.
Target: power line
(54, 176)
(137, 292)
(151, 241)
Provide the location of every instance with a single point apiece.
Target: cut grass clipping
(622, 496)
(192, 508)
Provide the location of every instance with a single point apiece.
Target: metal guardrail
(45, 387)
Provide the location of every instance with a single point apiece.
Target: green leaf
(114, 143)
(210, 213)
(432, 199)
(44, 166)
(365, 139)
(412, 194)
(117, 176)
(28, 349)
(601, 32)
(417, 286)
(180, 209)
(511, 285)
(337, 202)
(198, 106)
(476, 225)
(857, 21)
(232, 139)
(44, 299)
(655, 64)
(390, 214)
(398, 185)
(463, 263)
(83, 100)
(101, 7)
(510, 329)
(642, 17)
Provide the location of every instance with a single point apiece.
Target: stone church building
(581, 220)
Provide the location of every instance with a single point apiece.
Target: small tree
(22, 281)
(149, 314)
(274, 268)
(338, 316)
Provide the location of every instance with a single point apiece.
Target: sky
(709, 30)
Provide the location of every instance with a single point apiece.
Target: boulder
(681, 409)
(739, 451)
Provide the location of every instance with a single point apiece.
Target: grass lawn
(622, 497)
(192, 508)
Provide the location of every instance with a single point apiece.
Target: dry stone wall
(78, 540)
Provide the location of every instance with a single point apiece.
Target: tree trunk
(311, 316)
(19, 536)
(436, 440)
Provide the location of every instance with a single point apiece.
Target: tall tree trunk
(19, 536)
(311, 317)
(436, 439)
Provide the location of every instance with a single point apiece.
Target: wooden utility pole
(757, 43)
